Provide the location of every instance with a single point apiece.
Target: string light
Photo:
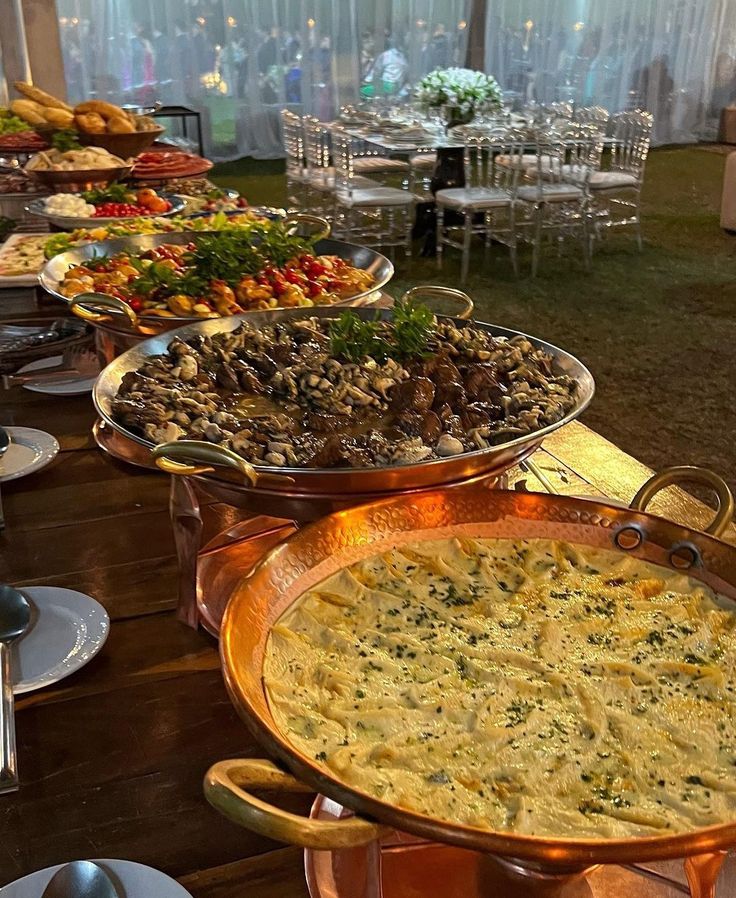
(63, 20)
(201, 20)
(232, 22)
(529, 24)
(75, 21)
(462, 24)
(578, 26)
(421, 23)
(311, 23)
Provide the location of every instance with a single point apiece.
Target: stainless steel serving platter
(71, 222)
(52, 274)
(337, 481)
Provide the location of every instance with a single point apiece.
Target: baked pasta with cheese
(528, 686)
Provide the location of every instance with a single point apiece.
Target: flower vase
(454, 116)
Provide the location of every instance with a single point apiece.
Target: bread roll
(119, 124)
(29, 111)
(91, 123)
(40, 96)
(59, 117)
(106, 110)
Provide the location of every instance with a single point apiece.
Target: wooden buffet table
(112, 758)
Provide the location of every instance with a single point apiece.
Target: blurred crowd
(275, 63)
(619, 64)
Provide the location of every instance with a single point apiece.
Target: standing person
(184, 56)
(390, 70)
(268, 52)
(438, 52)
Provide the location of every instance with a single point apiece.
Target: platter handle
(225, 788)
(467, 304)
(681, 474)
(187, 457)
(321, 226)
(79, 303)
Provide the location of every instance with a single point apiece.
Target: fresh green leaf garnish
(12, 124)
(406, 336)
(113, 193)
(414, 325)
(65, 140)
(354, 338)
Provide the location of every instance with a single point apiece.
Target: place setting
(324, 397)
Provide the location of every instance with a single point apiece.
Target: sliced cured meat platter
(161, 165)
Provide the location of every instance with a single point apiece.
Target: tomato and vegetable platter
(214, 274)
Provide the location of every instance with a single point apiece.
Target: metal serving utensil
(15, 616)
(80, 879)
(4, 443)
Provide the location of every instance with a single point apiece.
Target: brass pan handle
(683, 473)
(184, 457)
(443, 293)
(187, 457)
(225, 788)
(322, 227)
(79, 304)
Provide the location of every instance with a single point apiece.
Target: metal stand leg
(186, 521)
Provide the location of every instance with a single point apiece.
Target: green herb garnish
(113, 193)
(413, 324)
(65, 140)
(12, 124)
(406, 336)
(356, 338)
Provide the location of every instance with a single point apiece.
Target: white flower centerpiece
(459, 92)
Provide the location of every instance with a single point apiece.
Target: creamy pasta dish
(529, 686)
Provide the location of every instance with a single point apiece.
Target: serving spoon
(15, 616)
(80, 879)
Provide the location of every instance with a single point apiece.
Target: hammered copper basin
(322, 548)
(334, 481)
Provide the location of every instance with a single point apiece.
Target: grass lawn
(656, 328)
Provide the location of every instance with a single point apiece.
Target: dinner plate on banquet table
(62, 387)
(29, 451)
(130, 879)
(68, 628)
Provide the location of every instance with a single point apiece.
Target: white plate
(130, 879)
(28, 451)
(63, 388)
(29, 279)
(68, 630)
(70, 222)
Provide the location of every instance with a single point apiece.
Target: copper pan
(322, 548)
(209, 459)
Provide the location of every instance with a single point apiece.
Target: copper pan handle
(322, 227)
(225, 788)
(684, 473)
(187, 457)
(79, 304)
(459, 296)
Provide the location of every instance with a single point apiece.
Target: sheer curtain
(239, 61)
(672, 57)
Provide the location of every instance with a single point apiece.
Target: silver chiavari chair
(319, 175)
(553, 206)
(488, 201)
(616, 192)
(592, 115)
(291, 126)
(380, 215)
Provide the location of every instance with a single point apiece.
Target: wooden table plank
(275, 874)
(100, 783)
